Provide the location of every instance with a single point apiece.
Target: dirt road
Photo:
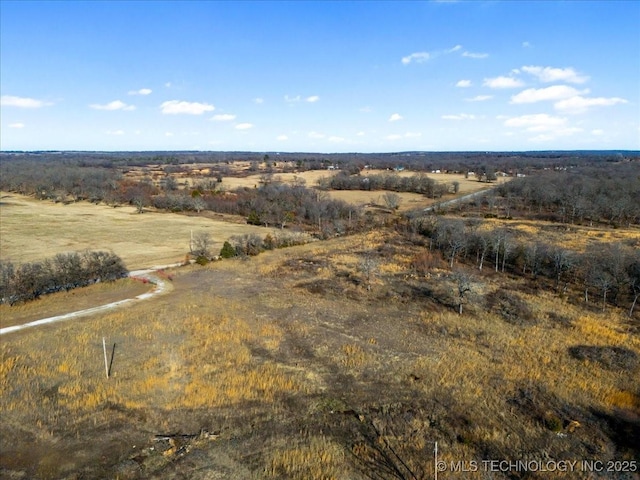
(161, 286)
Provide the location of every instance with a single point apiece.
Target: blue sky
(320, 76)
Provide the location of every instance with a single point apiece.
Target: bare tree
(391, 200)
(463, 288)
(369, 268)
(201, 244)
(633, 270)
(562, 261)
(604, 282)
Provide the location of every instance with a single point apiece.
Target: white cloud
(22, 102)
(168, 84)
(578, 104)
(551, 74)
(555, 92)
(539, 122)
(475, 55)
(418, 57)
(316, 135)
(111, 106)
(479, 98)
(455, 49)
(312, 99)
(503, 82)
(461, 116)
(336, 139)
(360, 134)
(405, 135)
(546, 127)
(223, 117)
(244, 126)
(395, 117)
(526, 45)
(282, 138)
(366, 109)
(115, 132)
(258, 100)
(16, 125)
(562, 132)
(597, 132)
(463, 83)
(289, 99)
(142, 91)
(177, 107)
(168, 134)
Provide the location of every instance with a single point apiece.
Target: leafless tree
(462, 282)
(391, 200)
(201, 244)
(368, 265)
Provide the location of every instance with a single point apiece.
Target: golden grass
(574, 237)
(33, 229)
(315, 458)
(353, 356)
(211, 366)
(486, 347)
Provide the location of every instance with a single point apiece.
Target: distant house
(399, 168)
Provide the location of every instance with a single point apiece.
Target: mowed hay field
(31, 229)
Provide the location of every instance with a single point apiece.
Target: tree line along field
(502, 327)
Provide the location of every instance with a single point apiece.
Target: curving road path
(160, 287)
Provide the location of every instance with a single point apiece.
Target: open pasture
(32, 230)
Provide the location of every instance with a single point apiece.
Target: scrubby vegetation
(65, 271)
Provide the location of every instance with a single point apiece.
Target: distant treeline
(65, 271)
(416, 160)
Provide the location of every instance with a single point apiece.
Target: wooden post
(435, 455)
(106, 364)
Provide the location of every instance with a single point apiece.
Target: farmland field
(32, 229)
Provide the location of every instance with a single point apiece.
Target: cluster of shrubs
(65, 271)
(252, 244)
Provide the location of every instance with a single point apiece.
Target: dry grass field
(241, 177)
(32, 229)
(574, 237)
(287, 366)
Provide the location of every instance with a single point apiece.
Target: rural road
(458, 200)
(149, 274)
